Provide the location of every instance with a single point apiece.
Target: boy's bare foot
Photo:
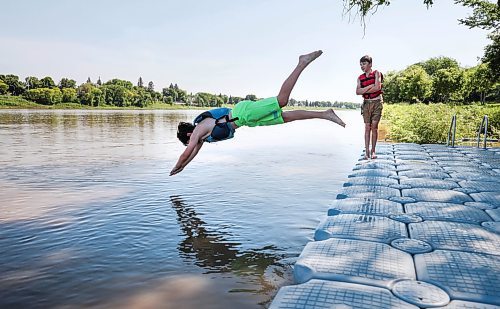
(333, 117)
(367, 156)
(308, 58)
(374, 156)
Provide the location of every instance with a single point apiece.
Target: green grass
(15, 102)
(422, 124)
(8, 102)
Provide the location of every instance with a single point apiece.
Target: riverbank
(13, 102)
(408, 123)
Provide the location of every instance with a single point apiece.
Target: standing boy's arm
(378, 82)
(367, 89)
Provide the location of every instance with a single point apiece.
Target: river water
(89, 216)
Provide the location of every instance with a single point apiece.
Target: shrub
(421, 123)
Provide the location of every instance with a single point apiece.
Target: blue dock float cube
(432, 211)
(354, 261)
(463, 275)
(367, 206)
(361, 227)
(340, 295)
(437, 195)
(456, 236)
(369, 191)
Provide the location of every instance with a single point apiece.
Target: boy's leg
(367, 140)
(289, 83)
(374, 138)
(289, 116)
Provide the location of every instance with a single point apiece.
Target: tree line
(441, 79)
(122, 93)
(115, 92)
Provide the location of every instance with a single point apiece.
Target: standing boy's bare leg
(367, 140)
(374, 138)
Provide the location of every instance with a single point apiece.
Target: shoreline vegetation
(430, 123)
(15, 102)
(402, 122)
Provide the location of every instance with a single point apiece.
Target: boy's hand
(176, 170)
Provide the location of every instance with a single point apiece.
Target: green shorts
(264, 112)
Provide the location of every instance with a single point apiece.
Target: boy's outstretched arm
(185, 158)
(192, 149)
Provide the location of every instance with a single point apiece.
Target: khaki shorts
(372, 110)
(264, 112)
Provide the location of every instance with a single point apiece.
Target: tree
(176, 93)
(363, 7)
(90, 95)
(485, 14)
(416, 84)
(251, 97)
(224, 98)
(32, 82)
(16, 87)
(492, 56)
(181, 95)
(3, 87)
(141, 97)
(432, 65)
(447, 84)
(48, 82)
(89, 81)
(67, 83)
(169, 93)
(120, 82)
(69, 95)
(218, 101)
(99, 83)
(478, 81)
(207, 99)
(140, 83)
(234, 100)
(392, 86)
(151, 86)
(169, 100)
(84, 93)
(46, 96)
(97, 96)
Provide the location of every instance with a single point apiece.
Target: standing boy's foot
(333, 117)
(374, 156)
(308, 58)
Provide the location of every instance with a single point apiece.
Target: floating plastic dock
(418, 227)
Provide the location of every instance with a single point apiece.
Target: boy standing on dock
(370, 87)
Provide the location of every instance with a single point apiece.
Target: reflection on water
(213, 252)
(89, 216)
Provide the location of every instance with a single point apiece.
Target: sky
(233, 47)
